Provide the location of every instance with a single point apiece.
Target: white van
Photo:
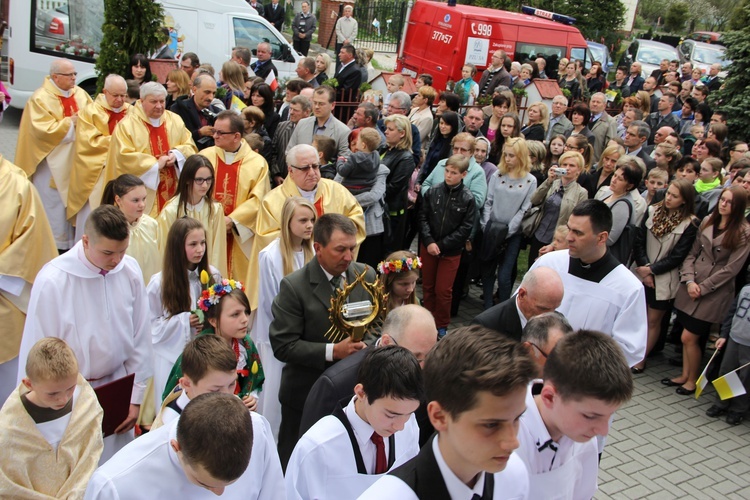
(42, 30)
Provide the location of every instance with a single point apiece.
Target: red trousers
(438, 274)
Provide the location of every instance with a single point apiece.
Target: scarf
(664, 222)
(466, 85)
(702, 187)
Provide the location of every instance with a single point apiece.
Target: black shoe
(684, 392)
(669, 383)
(734, 418)
(715, 411)
(637, 371)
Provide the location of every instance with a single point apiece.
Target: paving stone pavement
(662, 445)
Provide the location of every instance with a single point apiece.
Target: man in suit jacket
(558, 122)
(540, 291)
(348, 75)
(495, 75)
(264, 65)
(635, 82)
(275, 14)
(603, 126)
(635, 139)
(257, 6)
(323, 123)
(301, 319)
(713, 82)
(198, 113)
(411, 326)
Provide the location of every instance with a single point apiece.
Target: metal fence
(381, 23)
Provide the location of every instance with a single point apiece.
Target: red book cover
(114, 398)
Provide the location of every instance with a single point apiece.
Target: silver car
(649, 54)
(52, 26)
(703, 55)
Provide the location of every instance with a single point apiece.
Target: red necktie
(381, 464)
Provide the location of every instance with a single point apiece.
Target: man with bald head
(198, 113)
(540, 291)
(46, 143)
(96, 122)
(151, 143)
(410, 326)
(495, 75)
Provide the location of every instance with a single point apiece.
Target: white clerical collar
(155, 122)
(308, 195)
(65, 93)
(197, 207)
(362, 430)
(456, 487)
(520, 313)
(117, 110)
(81, 254)
(229, 157)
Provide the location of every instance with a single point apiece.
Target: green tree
(677, 16)
(740, 16)
(734, 96)
(129, 28)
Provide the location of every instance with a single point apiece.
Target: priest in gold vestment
(26, 244)
(46, 143)
(303, 180)
(241, 183)
(151, 143)
(96, 122)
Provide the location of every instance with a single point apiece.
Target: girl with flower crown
(172, 295)
(289, 252)
(398, 274)
(227, 314)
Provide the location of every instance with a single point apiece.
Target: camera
(560, 171)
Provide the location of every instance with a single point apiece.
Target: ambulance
(440, 38)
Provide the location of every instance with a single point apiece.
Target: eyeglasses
(544, 354)
(201, 180)
(67, 74)
(391, 106)
(306, 168)
(221, 132)
(743, 151)
(568, 146)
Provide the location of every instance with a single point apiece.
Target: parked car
(649, 53)
(706, 36)
(52, 26)
(703, 55)
(598, 52)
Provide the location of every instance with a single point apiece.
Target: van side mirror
(286, 54)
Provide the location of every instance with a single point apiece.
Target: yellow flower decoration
(254, 369)
(204, 277)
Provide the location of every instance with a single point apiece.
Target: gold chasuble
(330, 198)
(44, 124)
(213, 223)
(26, 244)
(136, 147)
(38, 470)
(144, 246)
(239, 187)
(96, 122)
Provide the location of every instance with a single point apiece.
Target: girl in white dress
(173, 293)
(288, 253)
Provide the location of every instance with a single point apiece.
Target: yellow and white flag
(702, 382)
(730, 385)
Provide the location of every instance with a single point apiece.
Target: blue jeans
(506, 260)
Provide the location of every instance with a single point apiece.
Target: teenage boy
(446, 220)
(215, 445)
(208, 365)
(53, 427)
(475, 383)
(586, 379)
(345, 453)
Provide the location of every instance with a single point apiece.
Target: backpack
(623, 247)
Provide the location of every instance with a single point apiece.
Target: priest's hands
(129, 422)
(168, 160)
(229, 223)
(251, 402)
(346, 348)
(279, 180)
(74, 118)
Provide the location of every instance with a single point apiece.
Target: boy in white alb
(476, 384)
(586, 379)
(93, 297)
(208, 365)
(216, 447)
(53, 428)
(343, 454)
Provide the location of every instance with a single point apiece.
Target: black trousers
(302, 46)
(288, 433)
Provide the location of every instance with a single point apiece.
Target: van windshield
(249, 33)
(550, 53)
(72, 27)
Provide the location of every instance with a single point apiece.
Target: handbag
(493, 240)
(531, 220)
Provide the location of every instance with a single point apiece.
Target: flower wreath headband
(211, 295)
(399, 265)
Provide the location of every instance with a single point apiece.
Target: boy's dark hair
(205, 353)
(391, 371)
(426, 79)
(215, 431)
(328, 223)
(589, 364)
(327, 146)
(459, 162)
(473, 359)
(107, 221)
(598, 213)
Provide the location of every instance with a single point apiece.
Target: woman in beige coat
(707, 279)
(556, 197)
(661, 245)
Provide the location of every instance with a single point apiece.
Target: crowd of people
(161, 256)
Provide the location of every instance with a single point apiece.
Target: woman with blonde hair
(232, 77)
(666, 157)
(605, 168)
(322, 63)
(556, 197)
(538, 121)
(644, 102)
(396, 155)
(508, 198)
(537, 155)
(286, 254)
(178, 86)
